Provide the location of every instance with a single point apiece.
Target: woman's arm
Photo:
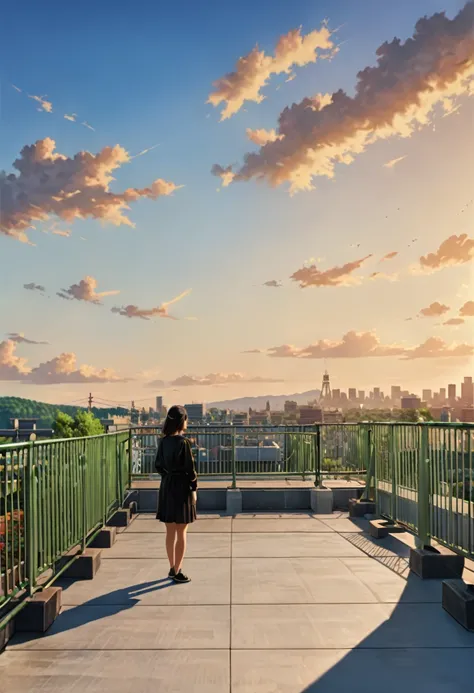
(189, 465)
(159, 461)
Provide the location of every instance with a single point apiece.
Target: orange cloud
(61, 369)
(366, 345)
(225, 174)
(434, 309)
(48, 183)
(389, 256)
(85, 291)
(335, 276)
(467, 310)
(455, 250)
(383, 275)
(395, 98)
(220, 379)
(262, 136)
(255, 69)
(394, 162)
(435, 347)
(161, 311)
(43, 104)
(454, 321)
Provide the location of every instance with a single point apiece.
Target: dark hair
(175, 420)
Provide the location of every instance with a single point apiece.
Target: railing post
(393, 464)
(423, 537)
(83, 462)
(30, 520)
(317, 471)
(234, 479)
(130, 458)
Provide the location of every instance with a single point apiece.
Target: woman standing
(177, 497)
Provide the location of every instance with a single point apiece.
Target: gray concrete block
(321, 500)
(342, 496)
(147, 500)
(258, 499)
(105, 539)
(212, 499)
(358, 508)
(120, 518)
(85, 566)
(233, 501)
(6, 633)
(379, 529)
(40, 612)
(434, 563)
(458, 601)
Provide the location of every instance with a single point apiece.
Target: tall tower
(325, 388)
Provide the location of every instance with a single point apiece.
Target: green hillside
(17, 407)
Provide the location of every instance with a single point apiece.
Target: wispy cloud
(434, 310)
(273, 283)
(144, 151)
(43, 104)
(394, 162)
(160, 311)
(334, 276)
(455, 250)
(17, 88)
(19, 338)
(61, 232)
(393, 99)
(86, 125)
(254, 69)
(383, 275)
(34, 287)
(71, 117)
(389, 256)
(221, 379)
(454, 321)
(49, 183)
(85, 290)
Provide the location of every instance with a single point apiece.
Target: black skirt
(175, 500)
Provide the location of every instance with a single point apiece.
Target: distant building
(395, 393)
(452, 393)
(467, 415)
(426, 395)
(411, 402)
(352, 394)
(259, 418)
(196, 412)
(310, 415)
(442, 394)
(290, 407)
(361, 395)
(332, 416)
(240, 418)
(467, 392)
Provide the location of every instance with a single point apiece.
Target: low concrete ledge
(431, 563)
(105, 539)
(359, 508)
(458, 601)
(40, 612)
(233, 501)
(322, 500)
(120, 518)
(133, 507)
(85, 566)
(379, 529)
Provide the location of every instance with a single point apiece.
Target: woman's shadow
(100, 607)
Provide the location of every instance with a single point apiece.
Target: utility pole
(90, 398)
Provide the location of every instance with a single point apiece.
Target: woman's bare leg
(171, 541)
(180, 547)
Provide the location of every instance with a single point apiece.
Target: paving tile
(132, 627)
(215, 524)
(357, 671)
(273, 516)
(347, 525)
(277, 545)
(120, 580)
(153, 545)
(305, 524)
(325, 581)
(298, 626)
(196, 671)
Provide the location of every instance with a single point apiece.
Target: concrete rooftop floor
(278, 603)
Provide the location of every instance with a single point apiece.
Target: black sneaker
(181, 577)
(172, 573)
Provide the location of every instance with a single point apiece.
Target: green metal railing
(232, 451)
(54, 496)
(423, 477)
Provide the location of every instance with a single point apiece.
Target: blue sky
(140, 73)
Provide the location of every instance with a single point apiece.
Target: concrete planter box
(458, 601)
(322, 501)
(431, 563)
